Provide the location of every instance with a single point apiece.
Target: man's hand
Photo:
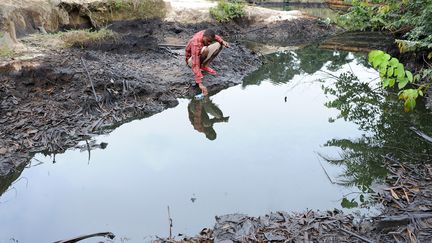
(224, 43)
(203, 89)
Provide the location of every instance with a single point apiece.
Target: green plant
(393, 72)
(226, 11)
(83, 37)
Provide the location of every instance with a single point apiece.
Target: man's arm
(219, 39)
(196, 66)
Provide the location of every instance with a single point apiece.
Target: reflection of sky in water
(262, 160)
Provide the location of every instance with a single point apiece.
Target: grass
(83, 37)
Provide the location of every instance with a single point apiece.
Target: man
(200, 51)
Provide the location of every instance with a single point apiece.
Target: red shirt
(193, 49)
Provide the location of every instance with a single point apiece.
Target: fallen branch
(404, 217)
(83, 237)
(421, 134)
(91, 81)
(328, 177)
(356, 235)
(171, 45)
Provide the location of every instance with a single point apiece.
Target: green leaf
(376, 58)
(429, 55)
(402, 83)
(382, 71)
(373, 54)
(349, 204)
(392, 82)
(393, 62)
(385, 82)
(412, 93)
(409, 76)
(383, 64)
(386, 57)
(420, 92)
(399, 71)
(390, 71)
(409, 104)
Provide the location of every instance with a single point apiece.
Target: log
(171, 45)
(400, 220)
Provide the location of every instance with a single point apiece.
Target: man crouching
(200, 51)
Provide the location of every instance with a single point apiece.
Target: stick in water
(170, 223)
(83, 237)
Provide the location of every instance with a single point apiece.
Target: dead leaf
(406, 196)
(393, 193)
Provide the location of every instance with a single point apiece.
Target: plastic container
(199, 96)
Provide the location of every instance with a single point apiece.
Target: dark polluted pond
(247, 149)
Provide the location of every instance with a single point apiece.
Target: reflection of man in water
(199, 111)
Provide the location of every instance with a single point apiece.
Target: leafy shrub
(393, 72)
(226, 11)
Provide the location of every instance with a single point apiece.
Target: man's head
(208, 37)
